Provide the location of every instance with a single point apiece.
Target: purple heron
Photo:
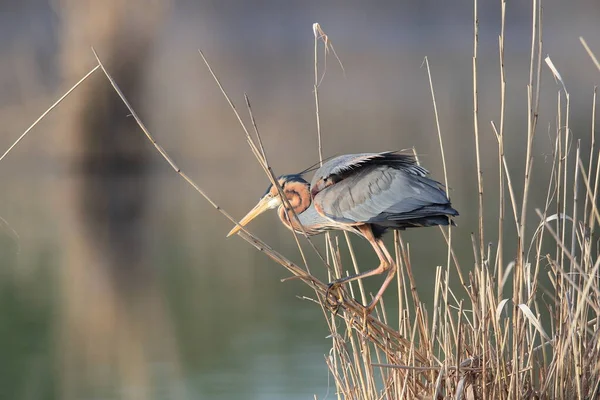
(365, 194)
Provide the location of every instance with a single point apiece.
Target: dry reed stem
(45, 113)
(499, 266)
(13, 232)
(590, 53)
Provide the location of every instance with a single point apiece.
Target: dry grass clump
(488, 339)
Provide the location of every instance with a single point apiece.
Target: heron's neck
(298, 195)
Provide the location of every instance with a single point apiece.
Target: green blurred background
(116, 280)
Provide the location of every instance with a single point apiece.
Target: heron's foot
(334, 295)
(370, 307)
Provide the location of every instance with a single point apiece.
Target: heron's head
(295, 189)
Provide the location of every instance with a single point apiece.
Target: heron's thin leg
(386, 263)
(383, 266)
(391, 273)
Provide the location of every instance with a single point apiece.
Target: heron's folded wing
(348, 164)
(378, 193)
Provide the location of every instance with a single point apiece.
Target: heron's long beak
(263, 205)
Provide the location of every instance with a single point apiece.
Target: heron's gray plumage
(314, 223)
(348, 163)
(384, 189)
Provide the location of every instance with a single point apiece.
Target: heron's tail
(431, 215)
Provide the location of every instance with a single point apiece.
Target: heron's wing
(380, 193)
(342, 166)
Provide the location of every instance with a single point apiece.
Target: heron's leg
(393, 268)
(386, 263)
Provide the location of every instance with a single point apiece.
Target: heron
(366, 194)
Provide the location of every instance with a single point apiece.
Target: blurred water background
(121, 283)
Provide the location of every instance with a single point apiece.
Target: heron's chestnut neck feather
(298, 195)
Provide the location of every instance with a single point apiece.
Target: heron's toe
(370, 307)
(333, 294)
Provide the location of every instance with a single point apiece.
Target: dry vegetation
(487, 339)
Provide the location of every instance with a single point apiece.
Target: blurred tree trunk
(114, 325)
